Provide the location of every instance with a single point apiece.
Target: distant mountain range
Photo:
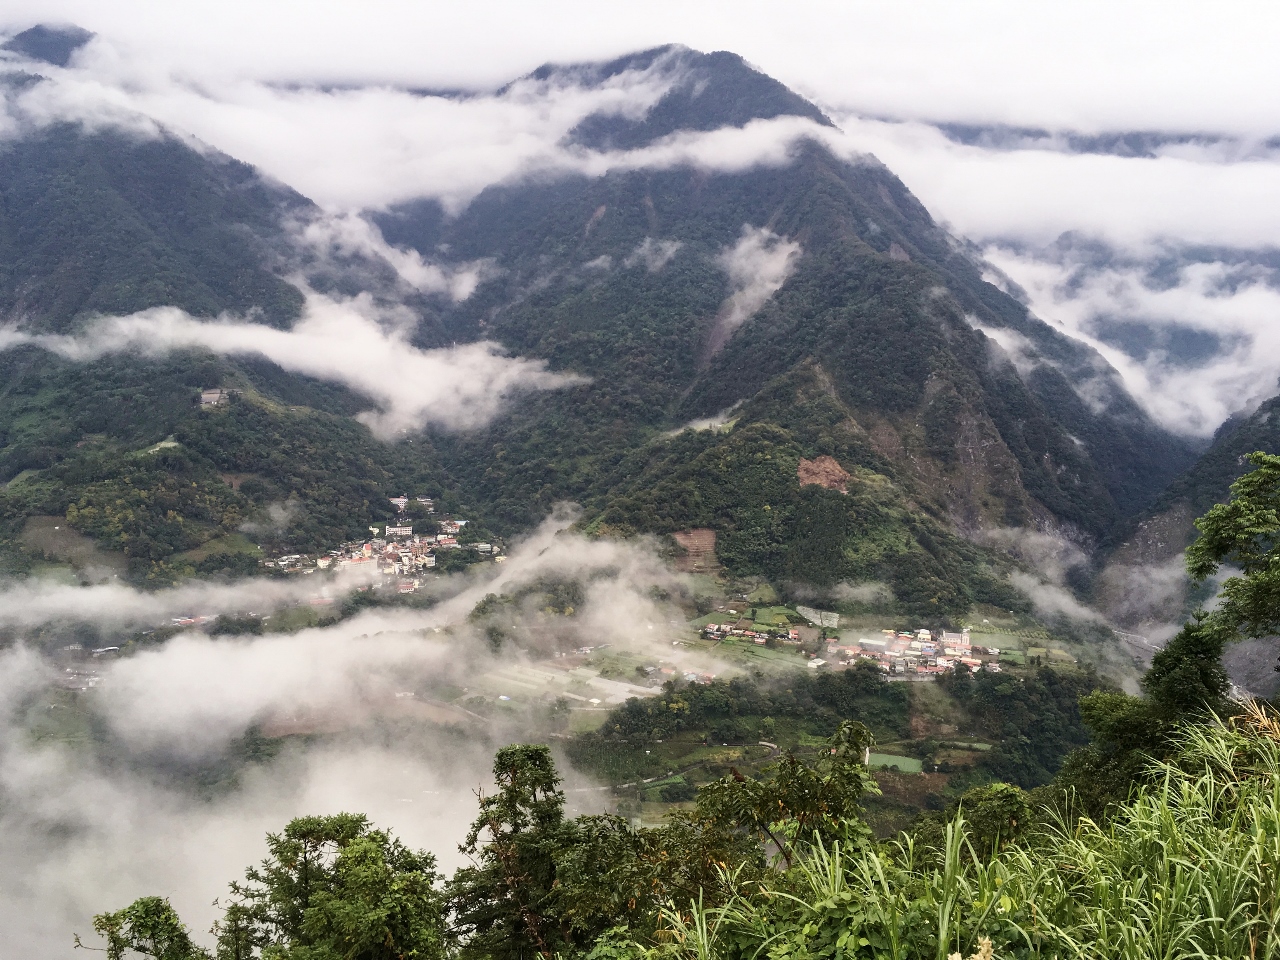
(790, 313)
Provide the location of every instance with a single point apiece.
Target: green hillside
(1157, 838)
(868, 354)
(1210, 479)
(114, 222)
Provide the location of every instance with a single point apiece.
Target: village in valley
(394, 555)
(744, 627)
(914, 654)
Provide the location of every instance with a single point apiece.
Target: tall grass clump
(1189, 867)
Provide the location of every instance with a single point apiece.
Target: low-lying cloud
(758, 265)
(113, 606)
(90, 827)
(1148, 598)
(1234, 308)
(460, 387)
(653, 254)
(1051, 558)
(1049, 554)
(872, 593)
(1053, 601)
(351, 235)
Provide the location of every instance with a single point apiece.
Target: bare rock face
(825, 472)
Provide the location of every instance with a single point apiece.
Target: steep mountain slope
(54, 45)
(627, 277)
(1165, 529)
(112, 222)
(1209, 480)
(1143, 582)
(1155, 539)
(816, 305)
(710, 91)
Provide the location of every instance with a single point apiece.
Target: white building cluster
(918, 652)
(394, 553)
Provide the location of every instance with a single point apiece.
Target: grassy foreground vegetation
(1160, 838)
(1185, 867)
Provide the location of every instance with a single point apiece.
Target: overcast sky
(258, 81)
(1161, 65)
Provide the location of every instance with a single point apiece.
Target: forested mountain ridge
(711, 91)
(874, 340)
(1222, 464)
(785, 369)
(110, 222)
(623, 276)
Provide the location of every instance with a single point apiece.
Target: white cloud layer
(371, 140)
(89, 829)
(351, 235)
(1037, 194)
(1214, 298)
(327, 103)
(1088, 65)
(36, 602)
(371, 147)
(758, 265)
(1051, 600)
(459, 387)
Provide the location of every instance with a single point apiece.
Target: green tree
(1245, 533)
(149, 926)
(333, 888)
(540, 884)
(1186, 683)
(798, 802)
(501, 905)
(996, 814)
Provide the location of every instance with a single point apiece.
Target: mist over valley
(552, 503)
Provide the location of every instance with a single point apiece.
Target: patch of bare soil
(909, 787)
(305, 724)
(700, 550)
(825, 472)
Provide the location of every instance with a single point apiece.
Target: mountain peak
(708, 91)
(49, 44)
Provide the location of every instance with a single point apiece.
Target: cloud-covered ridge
(459, 387)
(1226, 313)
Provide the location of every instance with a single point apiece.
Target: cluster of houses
(721, 631)
(394, 552)
(918, 652)
(662, 674)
